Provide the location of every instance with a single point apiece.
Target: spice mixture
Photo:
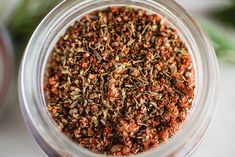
(120, 81)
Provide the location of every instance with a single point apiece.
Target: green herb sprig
(25, 19)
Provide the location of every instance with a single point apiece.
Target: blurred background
(19, 18)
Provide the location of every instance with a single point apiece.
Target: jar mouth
(65, 14)
(6, 66)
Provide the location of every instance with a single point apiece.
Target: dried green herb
(120, 81)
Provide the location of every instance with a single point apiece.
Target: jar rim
(205, 61)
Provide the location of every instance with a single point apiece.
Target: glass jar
(31, 78)
(6, 67)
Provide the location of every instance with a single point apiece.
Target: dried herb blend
(120, 81)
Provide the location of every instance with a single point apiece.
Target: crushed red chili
(119, 81)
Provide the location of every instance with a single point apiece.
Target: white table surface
(219, 142)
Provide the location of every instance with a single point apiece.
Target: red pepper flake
(135, 72)
(163, 135)
(92, 77)
(84, 64)
(119, 19)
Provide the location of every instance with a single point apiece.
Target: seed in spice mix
(120, 81)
